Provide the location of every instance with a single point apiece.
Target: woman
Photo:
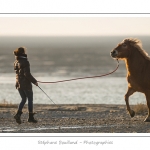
(23, 83)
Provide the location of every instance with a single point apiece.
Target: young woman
(24, 81)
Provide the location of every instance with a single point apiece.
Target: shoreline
(76, 118)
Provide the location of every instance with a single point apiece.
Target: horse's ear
(125, 41)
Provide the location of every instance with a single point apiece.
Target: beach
(82, 106)
(79, 118)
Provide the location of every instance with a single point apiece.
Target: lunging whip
(46, 95)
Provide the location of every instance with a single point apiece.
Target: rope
(84, 77)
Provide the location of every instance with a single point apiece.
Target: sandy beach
(83, 118)
(84, 106)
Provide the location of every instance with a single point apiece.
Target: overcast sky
(74, 26)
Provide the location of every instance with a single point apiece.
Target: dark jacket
(23, 75)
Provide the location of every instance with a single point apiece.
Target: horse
(137, 64)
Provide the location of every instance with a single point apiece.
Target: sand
(87, 118)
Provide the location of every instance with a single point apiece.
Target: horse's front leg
(147, 94)
(128, 94)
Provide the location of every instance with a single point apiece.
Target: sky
(74, 26)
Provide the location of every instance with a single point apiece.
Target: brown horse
(138, 70)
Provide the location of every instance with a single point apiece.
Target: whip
(46, 95)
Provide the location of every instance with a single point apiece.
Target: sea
(62, 58)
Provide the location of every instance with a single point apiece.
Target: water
(60, 58)
(107, 90)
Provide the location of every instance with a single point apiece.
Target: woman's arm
(27, 73)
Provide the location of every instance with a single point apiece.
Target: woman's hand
(36, 84)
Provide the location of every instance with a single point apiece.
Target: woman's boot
(17, 117)
(31, 118)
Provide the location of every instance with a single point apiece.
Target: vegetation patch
(140, 108)
(5, 103)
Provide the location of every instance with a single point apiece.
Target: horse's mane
(138, 45)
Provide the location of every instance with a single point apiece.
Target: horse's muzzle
(114, 53)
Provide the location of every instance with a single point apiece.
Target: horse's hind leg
(147, 94)
(129, 93)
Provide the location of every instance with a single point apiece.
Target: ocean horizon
(60, 58)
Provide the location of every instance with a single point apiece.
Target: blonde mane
(137, 44)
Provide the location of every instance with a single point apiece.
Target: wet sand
(81, 118)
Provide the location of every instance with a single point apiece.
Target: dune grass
(140, 108)
(5, 103)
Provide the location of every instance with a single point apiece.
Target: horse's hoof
(147, 119)
(132, 114)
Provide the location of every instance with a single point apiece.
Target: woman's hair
(19, 51)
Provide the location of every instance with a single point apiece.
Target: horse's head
(122, 50)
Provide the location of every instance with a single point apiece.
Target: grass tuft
(5, 103)
(140, 108)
